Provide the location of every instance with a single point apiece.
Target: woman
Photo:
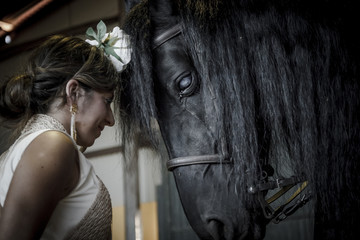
(48, 189)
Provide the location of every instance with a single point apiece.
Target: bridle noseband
(191, 160)
(267, 183)
(264, 185)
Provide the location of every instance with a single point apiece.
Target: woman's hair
(50, 67)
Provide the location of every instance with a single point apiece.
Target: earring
(73, 111)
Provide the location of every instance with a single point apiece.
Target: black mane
(286, 77)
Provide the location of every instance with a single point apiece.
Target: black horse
(251, 95)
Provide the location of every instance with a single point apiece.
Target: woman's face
(94, 113)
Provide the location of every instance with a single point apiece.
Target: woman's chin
(87, 143)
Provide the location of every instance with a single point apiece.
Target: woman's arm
(46, 173)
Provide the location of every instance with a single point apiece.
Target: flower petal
(116, 44)
(92, 42)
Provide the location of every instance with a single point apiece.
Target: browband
(165, 36)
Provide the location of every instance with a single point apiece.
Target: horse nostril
(220, 229)
(215, 228)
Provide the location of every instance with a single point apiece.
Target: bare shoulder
(52, 143)
(52, 156)
(47, 172)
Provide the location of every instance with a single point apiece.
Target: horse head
(241, 89)
(189, 121)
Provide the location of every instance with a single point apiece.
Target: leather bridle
(264, 185)
(283, 185)
(191, 160)
(166, 36)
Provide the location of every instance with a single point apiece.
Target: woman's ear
(72, 89)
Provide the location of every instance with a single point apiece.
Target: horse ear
(129, 4)
(163, 12)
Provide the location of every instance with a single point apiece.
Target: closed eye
(109, 100)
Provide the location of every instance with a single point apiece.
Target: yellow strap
(284, 190)
(296, 193)
(278, 194)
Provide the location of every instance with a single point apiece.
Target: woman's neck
(61, 113)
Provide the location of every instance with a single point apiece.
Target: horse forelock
(139, 83)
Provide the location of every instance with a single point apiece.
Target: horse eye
(187, 85)
(185, 82)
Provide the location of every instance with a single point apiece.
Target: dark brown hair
(50, 67)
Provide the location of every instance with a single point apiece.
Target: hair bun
(15, 96)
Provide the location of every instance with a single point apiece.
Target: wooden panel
(149, 221)
(118, 223)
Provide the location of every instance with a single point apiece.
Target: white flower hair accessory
(116, 44)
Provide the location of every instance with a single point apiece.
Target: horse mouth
(221, 231)
(216, 212)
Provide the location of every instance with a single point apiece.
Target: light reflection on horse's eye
(185, 83)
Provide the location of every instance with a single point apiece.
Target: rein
(267, 183)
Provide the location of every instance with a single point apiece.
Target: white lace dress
(86, 212)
